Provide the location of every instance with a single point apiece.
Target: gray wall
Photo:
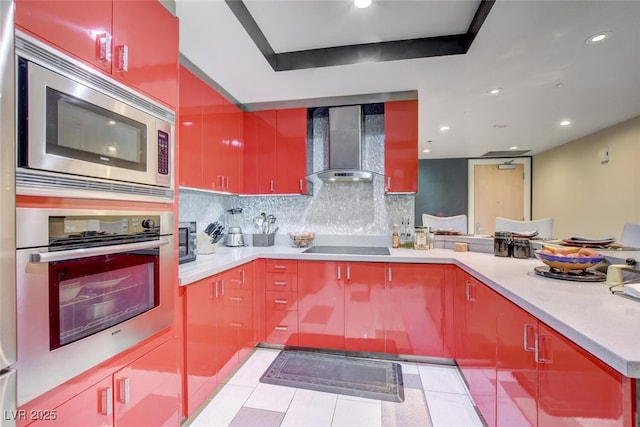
(442, 188)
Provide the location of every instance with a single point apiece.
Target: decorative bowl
(302, 239)
(567, 263)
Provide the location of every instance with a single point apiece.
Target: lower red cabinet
(475, 317)
(145, 392)
(281, 308)
(321, 304)
(417, 310)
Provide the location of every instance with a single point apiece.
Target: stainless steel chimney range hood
(345, 147)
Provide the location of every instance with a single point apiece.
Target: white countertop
(587, 313)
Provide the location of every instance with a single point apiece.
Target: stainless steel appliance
(234, 237)
(90, 285)
(80, 132)
(7, 220)
(187, 235)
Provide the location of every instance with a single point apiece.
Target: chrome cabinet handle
(300, 181)
(122, 58)
(222, 286)
(348, 272)
(389, 183)
(88, 252)
(279, 267)
(271, 186)
(215, 285)
(469, 285)
(103, 47)
(242, 277)
(339, 273)
(390, 277)
(124, 395)
(281, 328)
(536, 354)
(280, 301)
(528, 327)
(280, 283)
(106, 401)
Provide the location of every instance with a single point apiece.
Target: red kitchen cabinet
(211, 138)
(145, 392)
(364, 306)
(190, 122)
(401, 146)
(275, 155)
(417, 310)
(321, 304)
(111, 37)
(573, 384)
(517, 371)
(291, 154)
(218, 330)
(475, 319)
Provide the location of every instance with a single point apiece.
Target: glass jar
(521, 247)
(502, 243)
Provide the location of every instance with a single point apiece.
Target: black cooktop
(348, 250)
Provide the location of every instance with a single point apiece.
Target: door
(496, 189)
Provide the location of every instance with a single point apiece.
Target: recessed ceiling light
(597, 38)
(444, 128)
(362, 3)
(499, 126)
(565, 123)
(426, 150)
(513, 148)
(495, 91)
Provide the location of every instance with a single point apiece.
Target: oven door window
(79, 130)
(88, 295)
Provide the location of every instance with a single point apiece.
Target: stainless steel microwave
(82, 126)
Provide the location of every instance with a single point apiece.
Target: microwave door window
(91, 294)
(79, 130)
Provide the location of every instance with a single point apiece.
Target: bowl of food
(568, 258)
(301, 239)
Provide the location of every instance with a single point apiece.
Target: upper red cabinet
(401, 146)
(135, 42)
(275, 155)
(190, 128)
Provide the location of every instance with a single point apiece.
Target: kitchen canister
(521, 247)
(502, 243)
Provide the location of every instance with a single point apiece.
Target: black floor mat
(373, 379)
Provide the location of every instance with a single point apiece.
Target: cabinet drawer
(282, 282)
(281, 317)
(281, 301)
(281, 266)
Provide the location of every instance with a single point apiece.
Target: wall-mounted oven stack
(91, 284)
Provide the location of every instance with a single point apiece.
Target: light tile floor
(435, 396)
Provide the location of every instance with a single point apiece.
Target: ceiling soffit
(455, 44)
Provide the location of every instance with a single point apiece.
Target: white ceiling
(534, 50)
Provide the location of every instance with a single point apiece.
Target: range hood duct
(345, 147)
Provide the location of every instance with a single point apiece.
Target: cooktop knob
(148, 223)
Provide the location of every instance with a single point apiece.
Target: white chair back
(544, 226)
(454, 223)
(631, 235)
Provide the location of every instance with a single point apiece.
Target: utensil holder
(263, 239)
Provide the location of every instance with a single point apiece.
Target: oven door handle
(97, 251)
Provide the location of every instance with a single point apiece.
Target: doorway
(498, 187)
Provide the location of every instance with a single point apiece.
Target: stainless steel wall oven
(90, 284)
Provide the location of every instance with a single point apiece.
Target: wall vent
(506, 153)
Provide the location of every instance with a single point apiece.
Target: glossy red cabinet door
(190, 128)
(476, 342)
(240, 291)
(517, 371)
(231, 148)
(71, 26)
(147, 391)
(200, 341)
(321, 304)
(415, 310)
(364, 306)
(93, 407)
(401, 146)
(267, 172)
(573, 384)
(251, 153)
(291, 155)
(281, 317)
(145, 48)
(212, 117)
